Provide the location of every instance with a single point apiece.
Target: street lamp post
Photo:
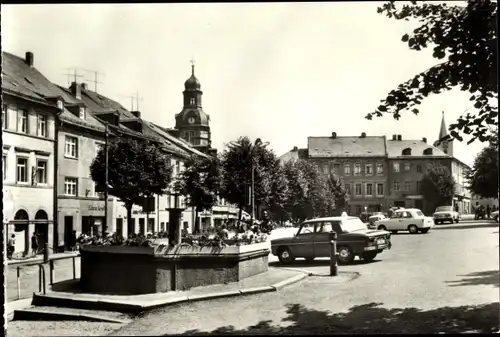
(105, 224)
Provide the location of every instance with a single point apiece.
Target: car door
(395, 222)
(406, 220)
(303, 242)
(322, 239)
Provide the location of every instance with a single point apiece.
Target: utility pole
(105, 224)
(75, 74)
(95, 81)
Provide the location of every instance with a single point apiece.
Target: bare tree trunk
(130, 228)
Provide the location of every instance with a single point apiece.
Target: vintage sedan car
(312, 240)
(494, 216)
(375, 217)
(407, 219)
(445, 213)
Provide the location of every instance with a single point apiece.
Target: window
(368, 169)
(162, 226)
(358, 189)
(369, 189)
(22, 121)
(41, 125)
(41, 172)
(98, 147)
(396, 186)
(4, 116)
(119, 226)
(380, 189)
(151, 225)
(347, 169)
(348, 188)
(71, 147)
(336, 168)
(141, 225)
(357, 169)
(177, 167)
(407, 186)
(419, 186)
(4, 167)
(419, 168)
(380, 168)
(395, 167)
(192, 101)
(22, 170)
(60, 104)
(82, 112)
(325, 169)
(406, 152)
(407, 167)
(70, 185)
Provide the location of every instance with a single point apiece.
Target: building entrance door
(68, 230)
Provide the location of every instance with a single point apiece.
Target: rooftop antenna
(96, 74)
(137, 99)
(132, 98)
(75, 74)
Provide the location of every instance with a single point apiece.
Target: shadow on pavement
(491, 277)
(458, 226)
(371, 318)
(318, 263)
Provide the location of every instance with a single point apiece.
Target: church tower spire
(445, 145)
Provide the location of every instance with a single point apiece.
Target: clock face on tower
(191, 120)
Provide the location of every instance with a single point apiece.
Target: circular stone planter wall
(143, 270)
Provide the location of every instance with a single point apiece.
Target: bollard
(74, 269)
(42, 271)
(46, 252)
(39, 278)
(51, 266)
(333, 254)
(18, 283)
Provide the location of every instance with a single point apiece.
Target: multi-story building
(29, 110)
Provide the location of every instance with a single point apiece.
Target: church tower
(445, 146)
(192, 122)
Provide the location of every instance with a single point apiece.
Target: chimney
(363, 134)
(400, 137)
(76, 90)
(84, 86)
(29, 58)
(424, 140)
(394, 137)
(136, 113)
(334, 135)
(295, 148)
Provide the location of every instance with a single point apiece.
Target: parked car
(312, 240)
(375, 217)
(445, 213)
(407, 219)
(494, 216)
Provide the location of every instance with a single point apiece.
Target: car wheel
(456, 220)
(413, 229)
(425, 230)
(382, 228)
(369, 256)
(345, 255)
(436, 222)
(394, 232)
(285, 256)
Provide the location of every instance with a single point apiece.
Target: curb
(289, 281)
(32, 314)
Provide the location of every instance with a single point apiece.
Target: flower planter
(141, 270)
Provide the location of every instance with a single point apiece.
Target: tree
(200, 182)
(483, 177)
(338, 192)
(467, 36)
(137, 169)
(438, 187)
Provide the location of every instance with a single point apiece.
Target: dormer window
(428, 151)
(192, 101)
(82, 112)
(60, 104)
(407, 152)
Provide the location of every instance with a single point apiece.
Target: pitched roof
(369, 146)
(294, 154)
(20, 78)
(178, 141)
(395, 149)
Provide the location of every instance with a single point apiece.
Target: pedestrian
(72, 242)
(34, 244)
(389, 212)
(488, 211)
(11, 246)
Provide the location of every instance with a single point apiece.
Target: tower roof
(444, 130)
(192, 83)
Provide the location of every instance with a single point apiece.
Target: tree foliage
(136, 169)
(464, 39)
(201, 182)
(338, 192)
(438, 186)
(483, 177)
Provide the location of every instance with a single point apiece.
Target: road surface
(443, 281)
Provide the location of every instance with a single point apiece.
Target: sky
(278, 71)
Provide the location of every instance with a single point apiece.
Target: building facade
(29, 111)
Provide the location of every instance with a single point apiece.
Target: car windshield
(306, 228)
(419, 213)
(352, 225)
(444, 209)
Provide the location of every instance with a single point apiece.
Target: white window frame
(38, 161)
(41, 130)
(192, 101)
(22, 115)
(4, 116)
(69, 146)
(395, 167)
(326, 169)
(177, 167)
(71, 183)
(371, 169)
(347, 169)
(366, 190)
(407, 186)
(348, 188)
(394, 184)
(82, 112)
(356, 190)
(4, 166)
(407, 167)
(380, 168)
(25, 168)
(380, 184)
(357, 167)
(60, 104)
